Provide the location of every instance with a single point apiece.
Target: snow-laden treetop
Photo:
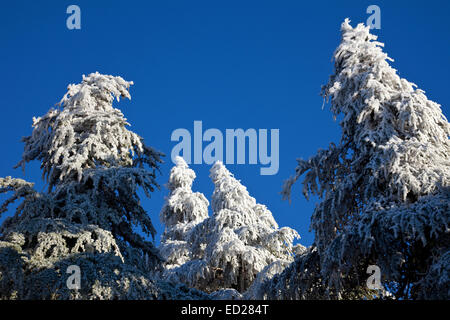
(406, 135)
(88, 132)
(181, 176)
(231, 195)
(395, 142)
(183, 208)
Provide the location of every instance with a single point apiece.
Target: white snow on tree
(384, 188)
(87, 133)
(230, 248)
(182, 211)
(94, 166)
(245, 237)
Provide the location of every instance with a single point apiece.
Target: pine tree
(94, 166)
(241, 238)
(384, 188)
(182, 211)
(229, 254)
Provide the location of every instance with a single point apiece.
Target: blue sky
(230, 64)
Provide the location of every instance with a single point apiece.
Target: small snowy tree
(94, 166)
(245, 238)
(229, 254)
(384, 188)
(182, 211)
(238, 241)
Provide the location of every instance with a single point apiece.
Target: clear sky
(231, 64)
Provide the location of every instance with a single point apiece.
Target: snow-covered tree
(182, 211)
(229, 249)
(384, 188)
(94, 166)
(245, 237)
